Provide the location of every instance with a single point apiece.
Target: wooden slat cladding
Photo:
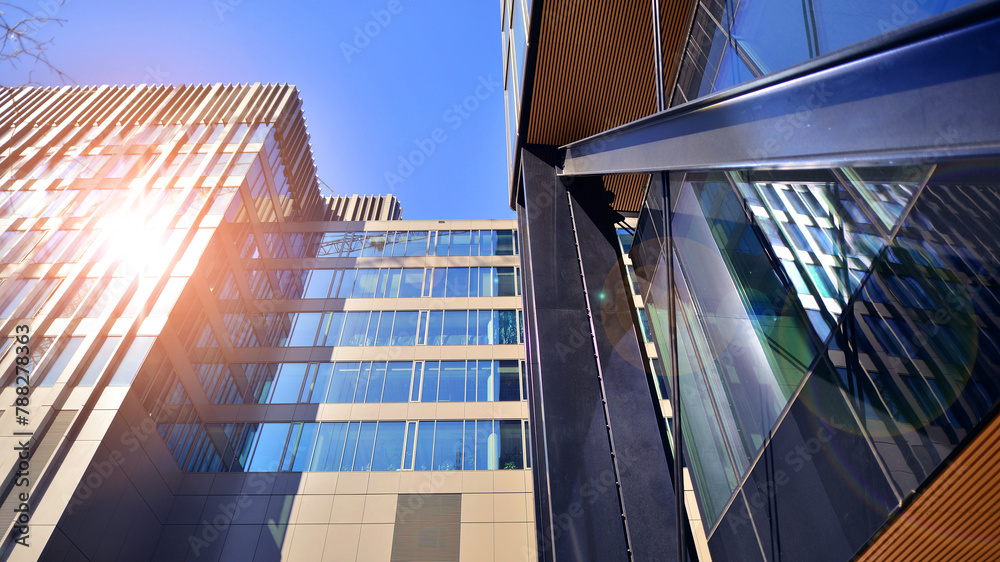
(957, 517)
(594, 69)
(628, 189)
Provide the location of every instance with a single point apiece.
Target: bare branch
(22, 43)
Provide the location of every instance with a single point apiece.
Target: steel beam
(931, 94)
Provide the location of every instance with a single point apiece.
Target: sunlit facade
(219, 367)
(809, 194)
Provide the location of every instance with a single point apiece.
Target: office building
(224, 364)
(814, 193)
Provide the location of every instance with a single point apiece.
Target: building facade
(205, 361)
(814, 192)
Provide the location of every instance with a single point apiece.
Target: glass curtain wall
(879, 284)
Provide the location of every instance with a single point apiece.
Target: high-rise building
(206, 359)
(813, 192)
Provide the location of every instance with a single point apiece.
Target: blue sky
(400, 97)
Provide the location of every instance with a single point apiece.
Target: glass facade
(192, 307)
(859, 295)
(732, 42)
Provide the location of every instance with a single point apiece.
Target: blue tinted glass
(393, 279)
(346, 284)
(460, 243)
(383, 280)
(510, 384)
(486, 391)
(321, 382)
(410, 285)
(430, 383)
(329, 446)
(318, 286)
(343, 383)
(388, 446)
(397, 381)
(448, 445)
(366, 445)
(487, 446)
(270, 444)
(470, 381)
(425, 446)
(455, 327)
(506, 283)
(469, 449)
(416, 244)
(487, 242)
(434, 324)
(363, 375)
(365, 283)
(411, 433)
(732, 71)
(506, 330)
(304, 331)
(458, 282)
(484, 334)
(511, 446)
(56, 367)
(289, 382)
(375, 383)
(451, 385)
(442, 243)
(129, 366)
(335, 328)
(355, 328)
(304, 448)
(374, 244)
(293, 440)
(384, 328)
(404, 330)
(505, 243)
(439, 284)
(99, 361)
(350, 446)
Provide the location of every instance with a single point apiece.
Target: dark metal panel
(573, 466)
(647, 492)
(595, 426)
(931, 97)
